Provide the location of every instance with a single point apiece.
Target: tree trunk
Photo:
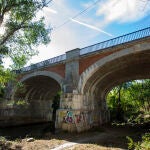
(1, 20)
(119, 109)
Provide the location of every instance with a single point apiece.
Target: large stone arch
(138, 49)
(97, 80)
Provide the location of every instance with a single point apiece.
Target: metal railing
(43, 63)
(117, 41)
(96, 47)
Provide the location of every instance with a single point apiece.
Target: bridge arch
(39, 95)
(97, 80)
(123, 60)
(50, 74)
(40, 85)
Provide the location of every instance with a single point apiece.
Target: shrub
(21, 103)
(140, 145)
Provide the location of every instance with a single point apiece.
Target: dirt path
(104, 138)
(85, 140)
(110, 134)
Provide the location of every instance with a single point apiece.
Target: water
(31, 130)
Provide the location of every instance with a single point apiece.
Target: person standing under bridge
(55, 106)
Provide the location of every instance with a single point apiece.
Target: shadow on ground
(108, 136)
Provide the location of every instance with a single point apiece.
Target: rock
(30, 139)
(8, 144)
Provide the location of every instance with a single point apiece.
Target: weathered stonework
(84, 82)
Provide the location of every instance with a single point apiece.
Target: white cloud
(123, 10)
(50, 10)
(2, 26)
(72, 35)
(2, 30)
(87, 4)
(62, 39)
(68, 37)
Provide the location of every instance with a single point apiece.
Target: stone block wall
(79, 113)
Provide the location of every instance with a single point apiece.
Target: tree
(130, 99)
(116, 100)
(5, 75)
(22, 31)
(140, 93)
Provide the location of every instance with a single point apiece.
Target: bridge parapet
(127, 38)
(117, 41)
(44, 63)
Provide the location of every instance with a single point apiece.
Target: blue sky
(107, 19)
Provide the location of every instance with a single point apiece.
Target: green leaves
(4, 72)
(140, 145)
(5, 76)
(19, 61)
(134, 100)
(35, 33)
(23, 33)
(3, 50)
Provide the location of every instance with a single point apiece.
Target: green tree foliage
(116, 100)
(23, 32)
(140, 145)
(5, 76)
(140, 93)
(130, 100)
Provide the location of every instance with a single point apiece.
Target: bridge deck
(140, 34)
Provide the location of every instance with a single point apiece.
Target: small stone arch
(50, 74)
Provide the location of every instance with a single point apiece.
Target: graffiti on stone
(62, 114)
(78, 118)
(81, 119)
(69, 117)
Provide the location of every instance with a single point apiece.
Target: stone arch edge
(50, 74)
(94, 67)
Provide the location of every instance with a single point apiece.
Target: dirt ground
(102, 138)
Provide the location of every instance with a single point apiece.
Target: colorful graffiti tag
(77, 117)
(81, 119)
(69, 117)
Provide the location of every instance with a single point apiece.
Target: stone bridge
(84, 77)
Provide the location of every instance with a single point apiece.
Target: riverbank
(106, 137)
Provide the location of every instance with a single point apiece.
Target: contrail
(50, 10)
(91, 26)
